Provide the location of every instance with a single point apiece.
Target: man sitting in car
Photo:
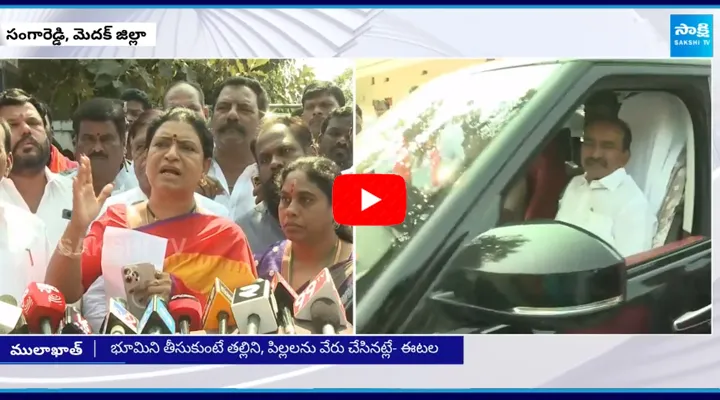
(606, 200)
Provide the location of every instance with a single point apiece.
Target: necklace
(150, 212)
(328, 263)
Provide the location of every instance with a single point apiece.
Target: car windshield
(431, 137)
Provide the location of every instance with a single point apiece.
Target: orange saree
(200, 248)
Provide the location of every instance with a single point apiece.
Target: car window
(432, 137)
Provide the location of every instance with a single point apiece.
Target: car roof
(520, 62)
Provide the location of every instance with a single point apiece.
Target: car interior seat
(661, 128)
(547, 178)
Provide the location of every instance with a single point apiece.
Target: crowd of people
(246, 192)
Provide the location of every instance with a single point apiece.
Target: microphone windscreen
(157, 318)
(324, 312)
(283, 292)
(43, 304)
(219, 303)
(119, 319)
(322, 287)
(189, 307)
(255, 300)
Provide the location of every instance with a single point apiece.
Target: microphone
(187, 311)
(218, 315)
(320, 304)
(254, 309)
(157, 319)
(119, 321)
(11, 316)
(73, 323)
(285, 297)
(43, 307)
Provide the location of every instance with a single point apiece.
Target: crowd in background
(239, 192)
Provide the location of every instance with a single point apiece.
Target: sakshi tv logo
(691, 35)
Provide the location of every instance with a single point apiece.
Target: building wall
(373, 82)
(63, 133)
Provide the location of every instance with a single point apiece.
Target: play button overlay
(369, 199)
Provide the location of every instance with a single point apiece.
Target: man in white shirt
(605, 200)
(24, 248)
(99, 132)
(32, 186)
(240, 105)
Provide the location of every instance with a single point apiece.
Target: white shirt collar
(51, 176)
(125, 179)
(217, 173)
(53, 179)
(609, 182)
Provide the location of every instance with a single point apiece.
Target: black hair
(319, 88)
(101, 109)
(194, 85)
(602, 104)
(252, 84)
(322, 172)
(19, 97)
(48, 113)
(618, 123)
(6, 135)
(295, 125)
(336, 113)
(190, 117)
(48, 123)
(136, 95)
(143, 120)
(358, 111)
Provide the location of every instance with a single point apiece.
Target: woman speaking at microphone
(206, 247)
(314, 240)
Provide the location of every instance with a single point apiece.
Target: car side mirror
(544, 275)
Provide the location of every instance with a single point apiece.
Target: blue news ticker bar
(231, 349)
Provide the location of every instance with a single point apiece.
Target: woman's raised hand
(86, 205)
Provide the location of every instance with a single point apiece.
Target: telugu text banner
(237, 349)
(126, 34)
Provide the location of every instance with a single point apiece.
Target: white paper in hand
(123, 247)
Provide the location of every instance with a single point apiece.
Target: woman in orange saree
(201, 247)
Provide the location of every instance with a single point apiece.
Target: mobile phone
(136, 276)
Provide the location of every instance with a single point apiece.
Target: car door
(393, 294)
(669, 289)
(483, 213)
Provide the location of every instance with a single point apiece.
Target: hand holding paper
(122, 247)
